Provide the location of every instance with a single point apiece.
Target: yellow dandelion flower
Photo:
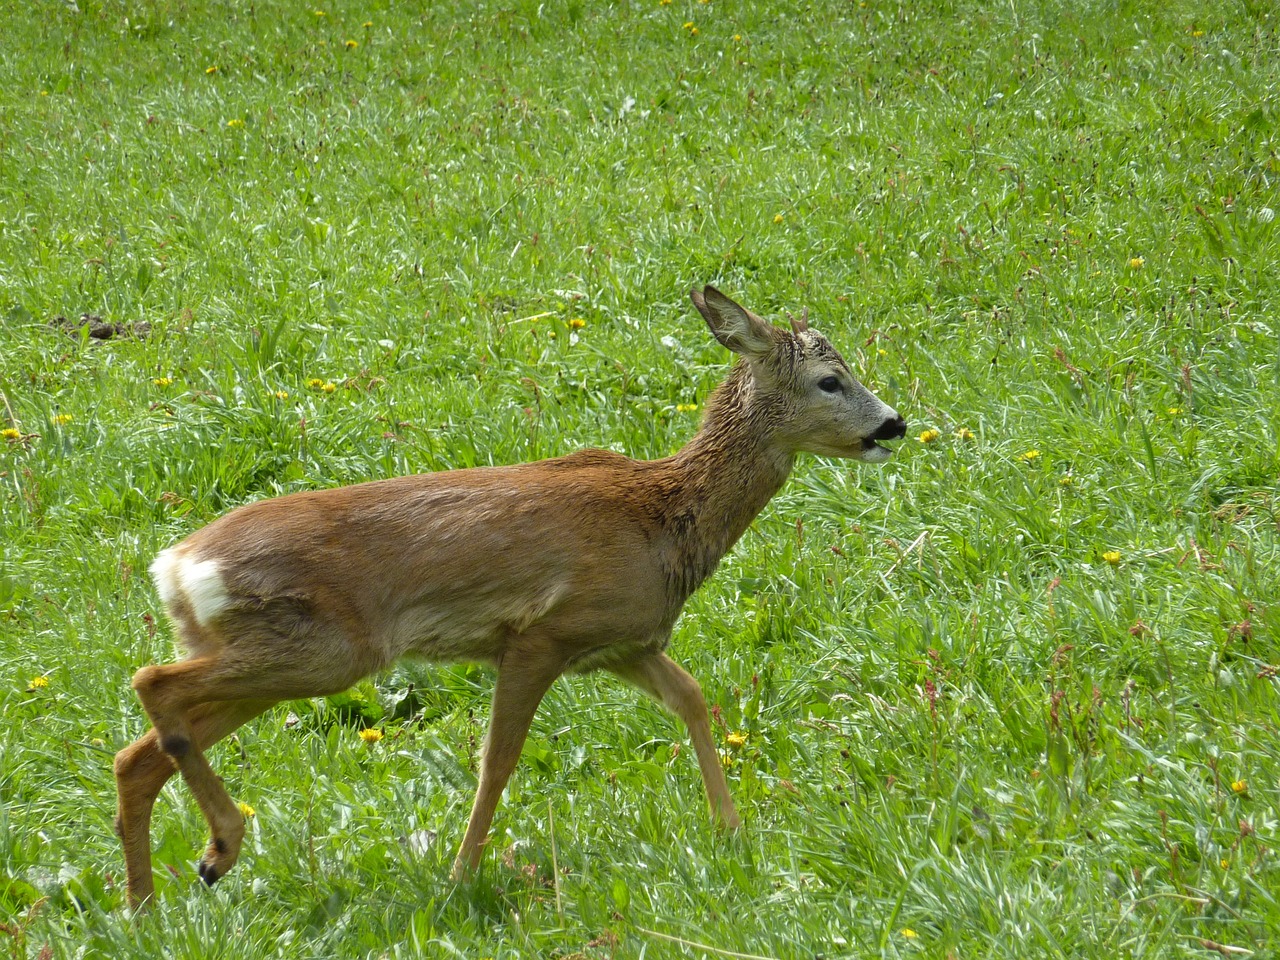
(367, 24)
(686, 407)
(881, 352)
(320, 13)
(778, 218)
(211, 70)
(235, 122)
(687, 25)
(329, 387)
(1224, 863)
(929, 436)
(162, 382)
(664, 3)
(577, 323)
(1031, 456)
(62, 419)
(1198, 34)
(693, 31)
(10, 434)
(279, 394)
(351, 44)
(1237, 786)
(909, 933)
(247, 810)
(1065, 480)
(1174, 411)
(1112, 557)
(736, 740)
(37, 683)
(964, 433)
(315, 383)
(370, 735)
(1137, 263)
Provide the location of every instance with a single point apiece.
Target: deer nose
(892, 429)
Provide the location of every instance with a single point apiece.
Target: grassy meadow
(1012, 694)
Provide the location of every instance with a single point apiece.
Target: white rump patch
(165, 575)
(179, 577)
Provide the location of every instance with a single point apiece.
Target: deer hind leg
(169, 692)
(671, 685)
(142, 768)
(523, 680)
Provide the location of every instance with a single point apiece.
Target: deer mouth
(892, 429)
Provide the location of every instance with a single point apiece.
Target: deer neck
(723, 478)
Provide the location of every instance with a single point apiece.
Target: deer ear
(734, 326)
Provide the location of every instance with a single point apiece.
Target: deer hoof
(215, 862)
(208, 873)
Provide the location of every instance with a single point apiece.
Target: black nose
(891, 429)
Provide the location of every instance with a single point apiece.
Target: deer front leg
(523, 680)
(672, 686)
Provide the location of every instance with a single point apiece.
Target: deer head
(806, 395)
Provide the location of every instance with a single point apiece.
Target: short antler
(801, 325)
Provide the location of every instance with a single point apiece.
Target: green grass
(968, 733)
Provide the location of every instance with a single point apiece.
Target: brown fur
(578, 563)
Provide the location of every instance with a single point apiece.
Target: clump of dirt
(100, 329)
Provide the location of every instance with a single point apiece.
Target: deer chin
(866, 450)
(872, 452)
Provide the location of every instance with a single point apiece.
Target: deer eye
(829, 385)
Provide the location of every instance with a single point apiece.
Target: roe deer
(566, 565)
